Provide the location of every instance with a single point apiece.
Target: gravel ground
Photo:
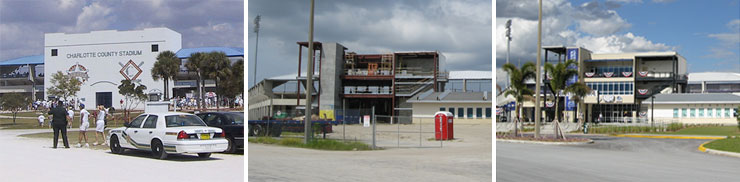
(468, 158)
(32, 159)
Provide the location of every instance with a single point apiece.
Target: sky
(201, 23)
(461, 30)
(706, 33)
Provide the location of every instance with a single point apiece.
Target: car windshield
(238, 118)
(183, 120)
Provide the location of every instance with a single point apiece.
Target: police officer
(59, 122)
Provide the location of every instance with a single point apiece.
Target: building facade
(693, 108)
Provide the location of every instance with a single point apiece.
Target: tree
(133, 96)
(166, 68)
(518, 88)
(14, 102)
(197, 63)
(579, 90)
(559, 74)
(63, 86)
(233, 85)
(218, 68)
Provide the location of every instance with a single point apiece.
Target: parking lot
(468, 158)
(613, 159)
(32, 159)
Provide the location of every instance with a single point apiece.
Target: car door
(146, 132)
(131, 133)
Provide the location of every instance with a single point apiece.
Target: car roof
(221, 112)
(167, 113)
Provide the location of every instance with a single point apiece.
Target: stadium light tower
(256, 46)
(309, 80)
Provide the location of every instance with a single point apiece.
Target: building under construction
(351, 81)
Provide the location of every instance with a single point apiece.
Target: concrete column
(703, 86)
(465, 85)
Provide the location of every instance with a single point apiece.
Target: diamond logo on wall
(130, 70)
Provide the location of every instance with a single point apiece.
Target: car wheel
(276, 130)
(115, 147)
(251, 130)
(257, 130)
(158, 150)
(232, 146)
(204, 155)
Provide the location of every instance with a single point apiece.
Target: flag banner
(627, 73)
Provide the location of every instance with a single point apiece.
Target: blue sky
(706, 33)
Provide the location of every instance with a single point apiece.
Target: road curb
(717, 152)
(672, 137)
(545, 143)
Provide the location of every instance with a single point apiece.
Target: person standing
(84, 124)
(59, 120)
(41, 120)
(71, 114)
(100, 125)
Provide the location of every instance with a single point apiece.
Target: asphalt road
(33, 159)
(614, 159)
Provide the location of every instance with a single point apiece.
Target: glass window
(452, 110)
(683, 112)
(719, 112)
(488, 112)
(460, 112)
(693, 112)
(441, 109)
(136, 123)
(53, 52)
(183, 120)
(470, 112)
(709, 113)
(479, 112)
(151, 122)
(675, 112)
(155, 48)
(701, 112)
(727, 112)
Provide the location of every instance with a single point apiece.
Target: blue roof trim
(230, 51)
(37, 59)
(604, 60)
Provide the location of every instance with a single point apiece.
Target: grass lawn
(71, 138)
(321, 144)
(7, 123)
(728, 144)
(24, 114)
(710, 130)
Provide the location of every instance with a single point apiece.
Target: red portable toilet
(443, 125)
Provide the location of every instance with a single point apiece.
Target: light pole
(538, 76)
(256, 46)
(652, 110)
(309, 80)
(508, 42)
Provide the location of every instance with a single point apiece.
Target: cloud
(727, 46)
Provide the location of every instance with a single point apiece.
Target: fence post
(398, 133)
(373, 120)
(344, 117)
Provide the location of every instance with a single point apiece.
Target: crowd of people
(209, 102)
(62, 117)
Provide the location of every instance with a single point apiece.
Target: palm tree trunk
(557, 117)
(165, 89)
(217, 96)
(516, 121)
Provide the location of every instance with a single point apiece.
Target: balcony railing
(625, 74)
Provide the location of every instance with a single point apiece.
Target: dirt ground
(467, 158)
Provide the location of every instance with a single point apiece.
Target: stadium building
(101, 59)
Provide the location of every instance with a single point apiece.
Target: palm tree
(579, 90)
(518, 89)
(218, 68)
(197, 63)
(166, 68)
(559, 74)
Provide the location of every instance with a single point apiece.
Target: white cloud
(93, 17)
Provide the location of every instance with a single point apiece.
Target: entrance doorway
(104, 98)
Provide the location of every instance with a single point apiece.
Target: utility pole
(652, 111)
(538, 77)
(508, 42)
(256, 46)
(309, 80)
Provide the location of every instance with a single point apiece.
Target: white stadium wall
(103, 58)
(664, 113)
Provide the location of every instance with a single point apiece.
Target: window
(693, 112)
(709, 113)
(701, 112)
(136, 123)
(452, 110)
(183, 120)
(675, 112)
(488, 112)
(151, 122)
(212, 120)
(479, 112)
(727, 112)
(719, 112)
(460, 112)
(470, 112)
(53, 52)
(155, 48)
(683, 112)
(441, 109)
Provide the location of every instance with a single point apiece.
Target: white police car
(168, 133)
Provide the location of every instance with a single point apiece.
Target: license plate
(208, 146)
(205, 136)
